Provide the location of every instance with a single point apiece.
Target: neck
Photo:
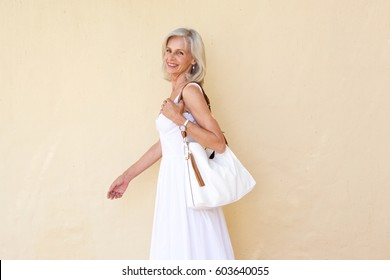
(178, 82)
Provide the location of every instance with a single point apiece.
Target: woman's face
(178, 58)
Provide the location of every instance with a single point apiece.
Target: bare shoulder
(192, 89)
(194, 99)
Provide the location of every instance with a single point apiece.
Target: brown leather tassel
(196, 171)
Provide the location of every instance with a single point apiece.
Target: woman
(178, 231)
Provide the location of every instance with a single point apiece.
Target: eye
(168, 50)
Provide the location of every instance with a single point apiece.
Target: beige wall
(300, 87)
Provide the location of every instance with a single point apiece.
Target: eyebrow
(175, 50)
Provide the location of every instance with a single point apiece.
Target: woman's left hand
(173, 111)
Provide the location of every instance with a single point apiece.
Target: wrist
(181, 120)
(126, 177)
(183, 127)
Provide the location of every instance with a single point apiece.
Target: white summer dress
(179, 232)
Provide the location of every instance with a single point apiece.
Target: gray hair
(197, 50)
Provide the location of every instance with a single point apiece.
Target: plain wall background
(301, 89)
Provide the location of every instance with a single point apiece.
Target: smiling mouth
(172, 65)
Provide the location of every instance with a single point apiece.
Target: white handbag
(213, 180)
(217, 181)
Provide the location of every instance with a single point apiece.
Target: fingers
(114, 191)
(167, 102)
(181, 104)
(114, 194)
(110, 193)
(168, 106)
(163, 105)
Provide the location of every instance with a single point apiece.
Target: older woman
(180, 232)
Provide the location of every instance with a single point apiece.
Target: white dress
(179, 232)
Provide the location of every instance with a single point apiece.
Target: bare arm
(147, 160)
(207, 133)
(119, 186)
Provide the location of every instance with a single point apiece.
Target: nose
(169, 56)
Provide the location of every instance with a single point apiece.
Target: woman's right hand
(117, 188)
